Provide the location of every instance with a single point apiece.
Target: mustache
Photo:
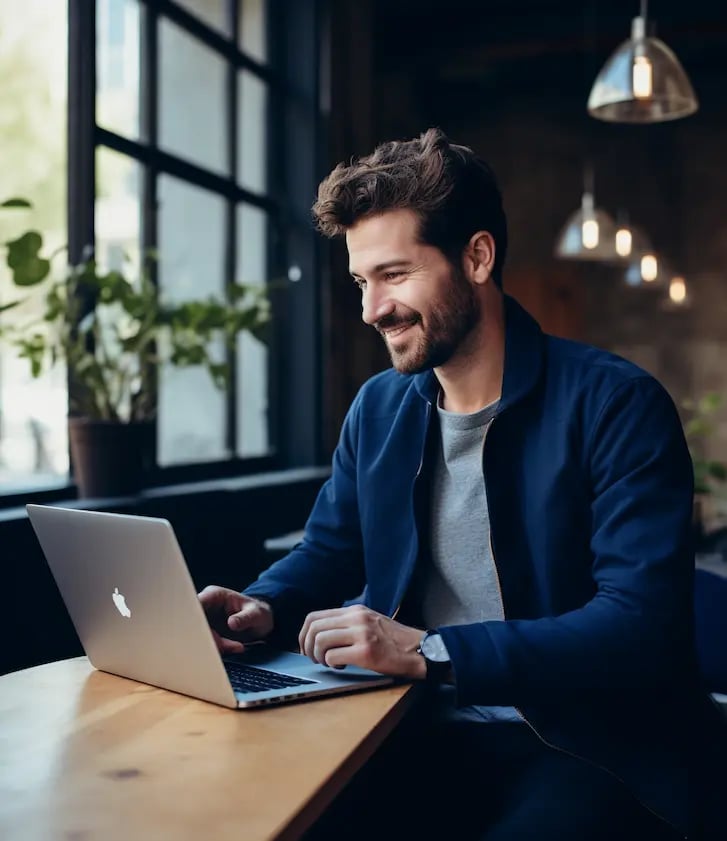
(391, 321)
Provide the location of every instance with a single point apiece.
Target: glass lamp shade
(648, 270)
(588, 234)
(640, 245)
(642, 82)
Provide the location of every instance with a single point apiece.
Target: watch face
(434, 649)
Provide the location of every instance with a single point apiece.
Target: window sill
(240, 484)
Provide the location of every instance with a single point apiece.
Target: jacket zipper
(517, 709)
(427, 418)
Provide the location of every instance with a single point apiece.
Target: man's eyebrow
(382, 267)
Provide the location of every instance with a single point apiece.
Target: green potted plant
(113, 331)
(710, 474)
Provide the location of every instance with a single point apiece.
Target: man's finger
(317, 616)
(244, 617)
(209, 595)
(227, 646)
(329, 640)
(346, 623)
(339, 658)
(323, 621)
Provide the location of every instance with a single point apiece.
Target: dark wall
(221, 528)
(351, 351)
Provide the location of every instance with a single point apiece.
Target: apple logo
(120, 602)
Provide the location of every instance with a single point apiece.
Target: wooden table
(86, 755)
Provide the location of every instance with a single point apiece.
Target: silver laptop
(131, 598)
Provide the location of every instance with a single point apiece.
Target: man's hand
(234, 618)
(358, 636)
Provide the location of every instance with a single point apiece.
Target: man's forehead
(382, 241)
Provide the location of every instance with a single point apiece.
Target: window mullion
(81, 125)
(231, 244)
(81, 141)
(149, 131)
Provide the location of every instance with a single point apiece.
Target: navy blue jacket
(589, 486)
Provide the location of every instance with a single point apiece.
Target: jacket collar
(524, 350)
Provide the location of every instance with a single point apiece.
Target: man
(509, 518)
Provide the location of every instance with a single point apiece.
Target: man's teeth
(394, 331)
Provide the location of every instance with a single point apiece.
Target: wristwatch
(436, 657)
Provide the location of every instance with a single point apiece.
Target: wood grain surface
(85, 755)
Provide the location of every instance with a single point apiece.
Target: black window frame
(293, 73)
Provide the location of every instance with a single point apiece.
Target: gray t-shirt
(460, 586)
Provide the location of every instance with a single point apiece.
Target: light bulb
(649, 268)
(590, 233)
(642, 77)
(678, 290)
(623, 242)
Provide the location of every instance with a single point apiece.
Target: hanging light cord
(588, 178)
(644, 4)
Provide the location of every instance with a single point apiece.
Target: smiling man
(426, 309)
(508, 520)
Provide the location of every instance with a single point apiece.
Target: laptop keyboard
(251, 679)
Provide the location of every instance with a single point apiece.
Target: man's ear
(479, 257)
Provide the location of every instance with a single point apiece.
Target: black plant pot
(108, 458)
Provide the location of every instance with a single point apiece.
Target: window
(198, 138)
(33, 62)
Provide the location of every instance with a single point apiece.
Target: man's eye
(392, 275)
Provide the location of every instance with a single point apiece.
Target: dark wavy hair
(452, 191)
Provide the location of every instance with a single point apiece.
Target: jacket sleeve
(636, 631)
(326, 568)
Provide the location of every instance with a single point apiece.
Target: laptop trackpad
(266, 657)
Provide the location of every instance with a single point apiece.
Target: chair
(710, 609)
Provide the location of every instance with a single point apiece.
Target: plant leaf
(24, 259)
(717, 470)
(711, 402)
(16, 202)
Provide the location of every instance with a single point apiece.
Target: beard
(451, 318)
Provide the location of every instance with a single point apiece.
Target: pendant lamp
(589, 233)
(631, 242)
(678, 293)
(642, 82)
(648, 269)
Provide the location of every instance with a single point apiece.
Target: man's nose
(375, 304)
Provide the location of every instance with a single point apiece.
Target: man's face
(421, 305)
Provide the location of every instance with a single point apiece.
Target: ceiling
(458, 36)
(460, 55)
